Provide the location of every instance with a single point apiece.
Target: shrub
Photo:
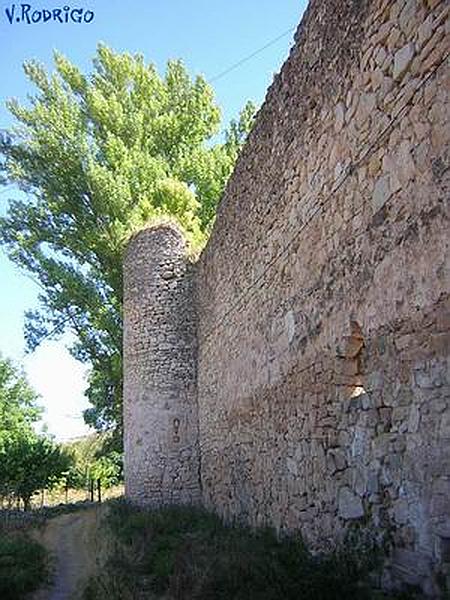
(23, 566)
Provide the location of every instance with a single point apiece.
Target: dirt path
(71, 540)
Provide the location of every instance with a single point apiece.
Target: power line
(368, 150)
(250, 56)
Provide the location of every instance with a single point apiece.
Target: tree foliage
(18, 403)
(28, 461)
(32, 463)
(98, 157)
(94, 458)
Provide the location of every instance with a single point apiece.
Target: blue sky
(209, 37)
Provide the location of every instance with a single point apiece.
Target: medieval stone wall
(323, 382)
(160, 406)
(322, 302)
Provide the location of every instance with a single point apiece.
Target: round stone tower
(160, 410)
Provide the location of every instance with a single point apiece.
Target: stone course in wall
(322, 298)
(160, 405)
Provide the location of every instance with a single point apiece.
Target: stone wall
(323, 382)
(322, 301)
(160, 406)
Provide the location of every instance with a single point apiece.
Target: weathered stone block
(381, 193)
(444, 430)
(402, 60)
(350, 506)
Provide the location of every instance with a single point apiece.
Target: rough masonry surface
(322, 301)
(160, 406)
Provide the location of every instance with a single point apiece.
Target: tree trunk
(99, 490)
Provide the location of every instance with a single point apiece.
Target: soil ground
(71, 540)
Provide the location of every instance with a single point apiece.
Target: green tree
(18, 413)
(98, 157)
(18, 402)
(33, 462)
(28, 461)
(94, 458)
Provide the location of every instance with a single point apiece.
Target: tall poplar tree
(99, 156)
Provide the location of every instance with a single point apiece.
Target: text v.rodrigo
(25, 13)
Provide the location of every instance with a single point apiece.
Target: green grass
(189, 554)
(23, 566)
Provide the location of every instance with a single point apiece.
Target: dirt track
(71, 540)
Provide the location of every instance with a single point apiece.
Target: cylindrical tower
(160, 409)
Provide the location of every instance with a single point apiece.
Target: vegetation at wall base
(181, 553)
(24, 566)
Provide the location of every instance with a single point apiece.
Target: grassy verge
(185, 553)
(23, 566)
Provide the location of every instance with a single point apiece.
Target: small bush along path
(23, 565)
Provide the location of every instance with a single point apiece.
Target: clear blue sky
(209, 36)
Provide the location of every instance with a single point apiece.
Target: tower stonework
(160, 412)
